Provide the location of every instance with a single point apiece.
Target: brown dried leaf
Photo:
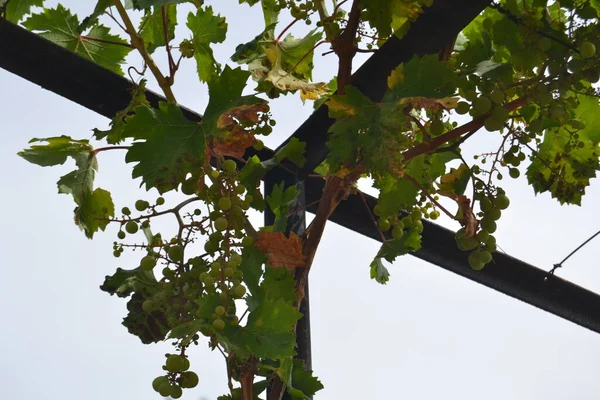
(428, 103)
(282, 251)
(465, 216)
(235, 138)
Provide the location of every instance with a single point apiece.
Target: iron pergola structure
(58, 70)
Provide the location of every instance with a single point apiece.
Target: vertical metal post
(296, 223)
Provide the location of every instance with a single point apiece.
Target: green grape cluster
(178, 377)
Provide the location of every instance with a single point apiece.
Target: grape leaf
(408, 243)
(94, 207)
(379, 272)
(304, 380)
(15, 10)
(269, 331)
(61, 27)
(115, 134)
(282, 250)
(423, 77)
(251, 266)
(454, 183)
(124, 282)
(153, 27)
(561, 166)
(94, 211)
(172, 146)
(384, 15)
(395, 195)
(279, 201)
(92, 19)
(206, 29)
(150, 328)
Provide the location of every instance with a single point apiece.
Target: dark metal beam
(431, 33)
(505, 274)
(64, 73)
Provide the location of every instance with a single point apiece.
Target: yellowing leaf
(396, 77)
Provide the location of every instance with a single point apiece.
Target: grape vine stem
(138, 43)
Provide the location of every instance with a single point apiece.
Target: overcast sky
(428, 334)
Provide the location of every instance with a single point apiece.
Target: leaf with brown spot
(281, 251)
(465, 216)
(235, 138)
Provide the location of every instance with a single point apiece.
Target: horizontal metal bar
(64, 73)
(506, 274)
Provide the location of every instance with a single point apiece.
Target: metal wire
(559, 265)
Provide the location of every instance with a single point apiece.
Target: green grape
(416, 215)
(419, 226)
(148, 306)
(494, 214)
(239, 291)
(121, 235)
(464, 243)
(175, 253)
(492, 124)
(397, 232)
(462, 107)
(236, 259)
(147, 263)
(485, 204)
(214, 174)
(141, 205)
(221, 224)
(383, 224)
(176, 392)
(228, 272)
(482, 105)
(160, 201)
(188, 380)
(220, 310)
(435, 214)
(485, 256)
(471, 95)
(436, 127)
(240, 189)
(587, 49)
(474, 261)
(157, 382)
(224, 203)
(229, 166)
(131, 227)
(514, 173)
(259, 145)
(186, 362)
(497, 96)
(218, 324)
(483, 236)
(489, 225)
(164, 389)
(126, 211)
(175, 363)
(188, 187)
(211, 246)
(502, 202)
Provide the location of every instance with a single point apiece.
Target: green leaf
(279, 201)
(379, 272)
(454, 183)
(294, 151)
(115, 134)
(424, 77)
(153, 27)
(561, 166)
(171, 146)
(15, 10)
(395, 195)
(94, 207)
(92, 19)
(269, 332)
(206, 29)
(94, 212)
(206, 306)
(304, 380)
(150, 328)
(124, 282)
(384, 15)
(251, 266)
(408, 243)
(98, 45)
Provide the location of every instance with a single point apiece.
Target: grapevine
(522, 73)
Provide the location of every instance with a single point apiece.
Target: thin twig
(426, 193)
(381, 235)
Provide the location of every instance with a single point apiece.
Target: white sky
(428, 334)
